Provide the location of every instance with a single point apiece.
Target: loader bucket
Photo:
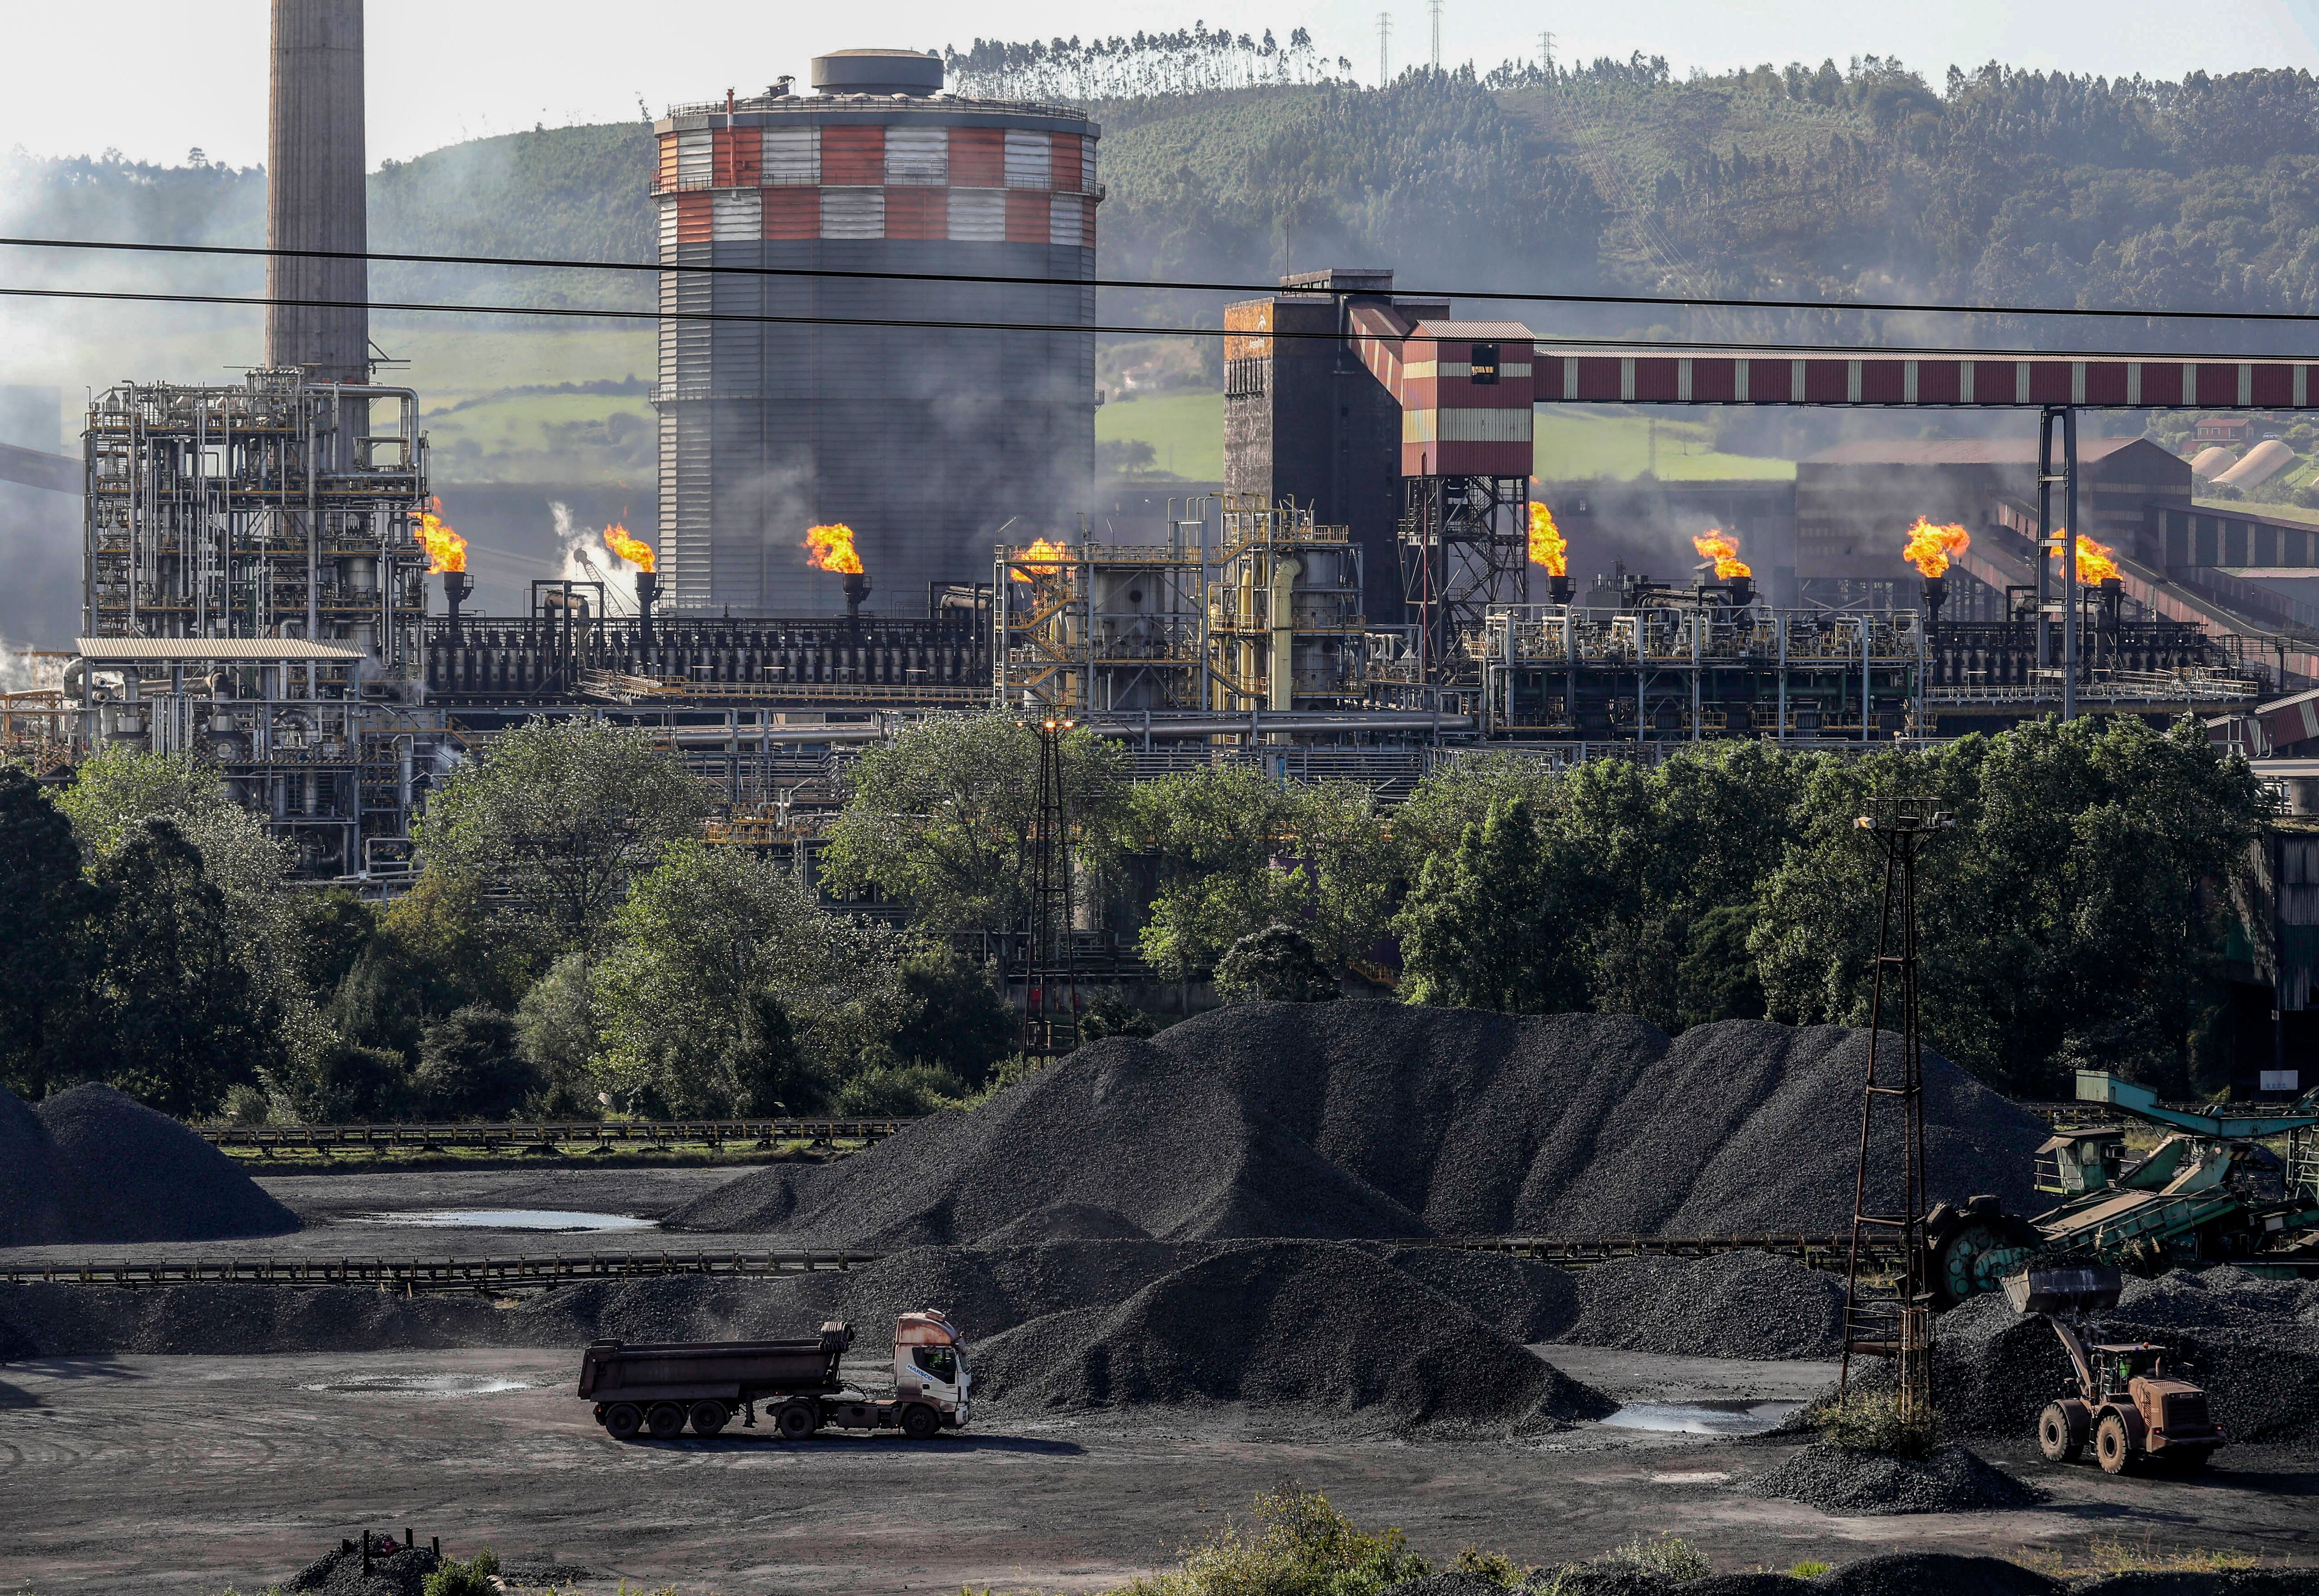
(2064, 1288)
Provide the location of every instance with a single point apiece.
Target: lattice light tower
(1049, 981)
(1890, 1317)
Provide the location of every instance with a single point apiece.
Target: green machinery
(2210, 1191)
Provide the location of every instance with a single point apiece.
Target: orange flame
(1723, 549)
(1930, 548)
(2095, 562)
(445, 549)
(831, 548)
(1042, 550)
(634, 550)
(1548, 546)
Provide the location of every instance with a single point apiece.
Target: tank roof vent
(876, 72)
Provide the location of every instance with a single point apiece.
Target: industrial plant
(876, 396)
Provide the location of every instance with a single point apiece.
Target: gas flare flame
(1930, 548)
(2094, 561)
(1042, 550)
(1723, 549)
(445, 549)
(831, 548)
(634, 550)
(1548, 546)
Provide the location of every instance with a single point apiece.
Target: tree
(727, 989)
(1276, 965)
(943, 817)
(173, 1019)
(954, 1015)
(1482, 930)
(555, 1025)
(565, 814)
(45, 912)
(470, 1065)
(1111, 1014)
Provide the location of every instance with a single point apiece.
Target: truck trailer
(658, 1388)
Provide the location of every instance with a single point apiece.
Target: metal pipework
(857, 589)
(1936, 593)
(647, 594)
(457, 586)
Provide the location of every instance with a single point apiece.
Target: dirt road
(186, 1474)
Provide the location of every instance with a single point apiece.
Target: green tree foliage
(471, 1066)
(1111, 1014)
(173, 1019)
(954, 1015)
(1480, 929)
(944, 817)
(2079, 909)
(556, 1028)
(1274, 964)
(729, 990)
(45, 909)
(1226, 850)
(349, 1083)
(565, 814)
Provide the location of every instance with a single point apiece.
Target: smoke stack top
(314, 196)
(876, 72)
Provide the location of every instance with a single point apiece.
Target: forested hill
(1229, 159)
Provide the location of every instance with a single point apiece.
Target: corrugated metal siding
(854, 156)
(1030, 159)
(1071, 221)
(917, 157)
(917, 213)
(735, 216)
(748, 156)
(692, 217)
(696, 157)
(1087, 161)
(791, 212)
(853, 212)
(668, 227)
(1027, 219)
(667, 177)
(1067, 149)
(792, 156)
(977, 157)
(977, 215)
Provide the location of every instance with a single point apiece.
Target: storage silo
(926, 440)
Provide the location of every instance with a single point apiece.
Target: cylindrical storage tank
(925, 440)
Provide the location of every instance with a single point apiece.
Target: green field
(1186, 432)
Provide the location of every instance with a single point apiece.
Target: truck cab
(930, 1366)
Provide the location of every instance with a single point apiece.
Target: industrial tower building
(863, 408)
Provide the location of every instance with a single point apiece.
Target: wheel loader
(2126, 1403)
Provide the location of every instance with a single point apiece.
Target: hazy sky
(153, 79)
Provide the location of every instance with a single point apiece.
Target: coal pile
(395, 1570)
(57, 1320)
(91, 1166)
(32, 1181)
(1948, 1573)
(1517, 1297)
(1838, 1480)
(1382, 1121)
(1740, 1304)
(1330, 1331)
(2242, 1338)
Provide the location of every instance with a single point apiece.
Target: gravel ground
(1382, 1120)
(1740, 1304)
(1515, 1296)
(94, 1166)
(1836, 1480)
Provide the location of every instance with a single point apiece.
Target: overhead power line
(1577, 346)
(1509, 296)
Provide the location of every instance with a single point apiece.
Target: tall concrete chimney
(314, 197)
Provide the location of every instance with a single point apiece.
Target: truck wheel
(623, 1420)
(2111, 1446)
(709, 1418)
(920, 1422)
(797, 1421)
(666, 1422)
(2061, 1432)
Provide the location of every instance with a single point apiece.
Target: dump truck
(658, 1388)
(2125, 1403)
